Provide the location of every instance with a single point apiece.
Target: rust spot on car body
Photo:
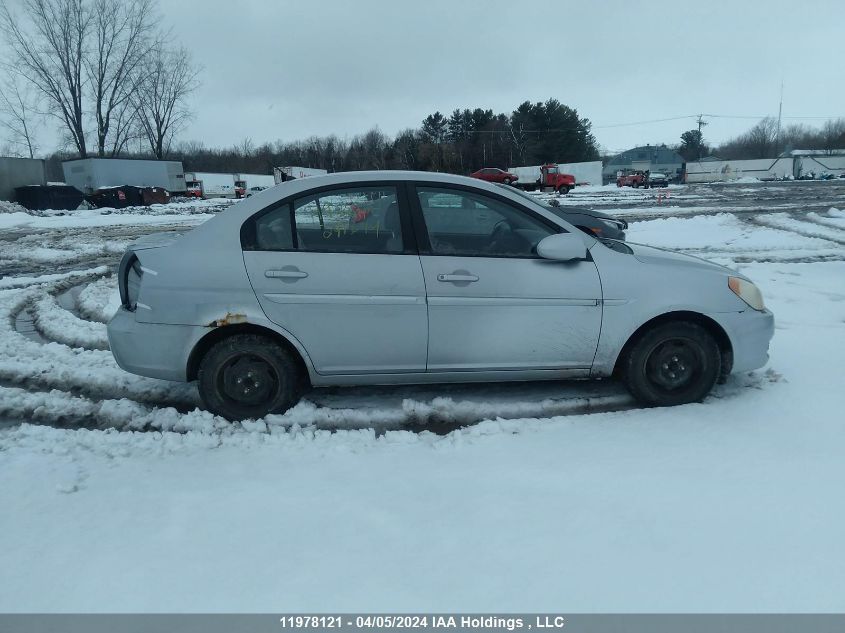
(229, 319)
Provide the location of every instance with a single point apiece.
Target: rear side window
(355, 220)
(273, 231)
(360, 220)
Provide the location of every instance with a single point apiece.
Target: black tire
(248, 376)
(674, 363)
(507, 181)
(563, 190)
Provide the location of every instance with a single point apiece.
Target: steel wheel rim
(247, 380)
(675, 364)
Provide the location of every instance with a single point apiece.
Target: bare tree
(375, 144)
(245, 148)
(167, 79)
(122, 33)
(19, 112)
(48, 42)
(833, 135)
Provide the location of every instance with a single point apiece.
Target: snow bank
(10, 207)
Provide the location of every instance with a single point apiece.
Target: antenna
(701, 124)
(780, 112)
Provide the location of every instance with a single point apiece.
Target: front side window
(469, 224)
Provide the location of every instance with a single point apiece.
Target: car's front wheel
(673, 363)
(507, 181)
(248, 376)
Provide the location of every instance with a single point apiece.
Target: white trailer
(588, 173)
(247, 184)
(210, 185)
(725, 170)
(527, 176)
(281, 174)
(90, 174)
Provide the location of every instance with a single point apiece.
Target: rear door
(493, 304)
(339, 270)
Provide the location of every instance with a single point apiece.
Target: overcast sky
(281, 69)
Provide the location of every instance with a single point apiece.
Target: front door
(335, 270)
(493, 304)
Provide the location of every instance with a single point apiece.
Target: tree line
(104, 70)
(461, 142)
(765, 140)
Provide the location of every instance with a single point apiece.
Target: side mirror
(562, 247)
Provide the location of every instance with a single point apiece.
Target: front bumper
(750, 332)
(152, 349)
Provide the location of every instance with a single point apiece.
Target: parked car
(394, 277)
(253, 190)
(491, 174)
(656, 179)
(593, 223)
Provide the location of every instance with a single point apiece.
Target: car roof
(229, 221)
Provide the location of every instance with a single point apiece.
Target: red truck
(633, 179)
(542, 177)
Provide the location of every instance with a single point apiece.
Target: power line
(674, 118)
(715, 116)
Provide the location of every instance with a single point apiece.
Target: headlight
(747, 291)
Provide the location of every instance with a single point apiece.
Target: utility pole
(701, 124)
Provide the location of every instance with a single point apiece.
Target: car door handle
(286, 274)
(466, 278)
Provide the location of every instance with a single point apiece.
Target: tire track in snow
(92, 373)
(837, 224)
(441, 415)
(791, 225)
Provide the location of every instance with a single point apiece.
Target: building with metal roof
(655, 158)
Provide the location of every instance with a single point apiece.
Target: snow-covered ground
(118, 495)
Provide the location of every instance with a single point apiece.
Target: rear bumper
(151, 349)
(750, 332)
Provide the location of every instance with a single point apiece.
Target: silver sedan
(398, 277)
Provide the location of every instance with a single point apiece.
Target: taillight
(130, 274)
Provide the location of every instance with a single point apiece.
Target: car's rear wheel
(248, 376)
(673, 363)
